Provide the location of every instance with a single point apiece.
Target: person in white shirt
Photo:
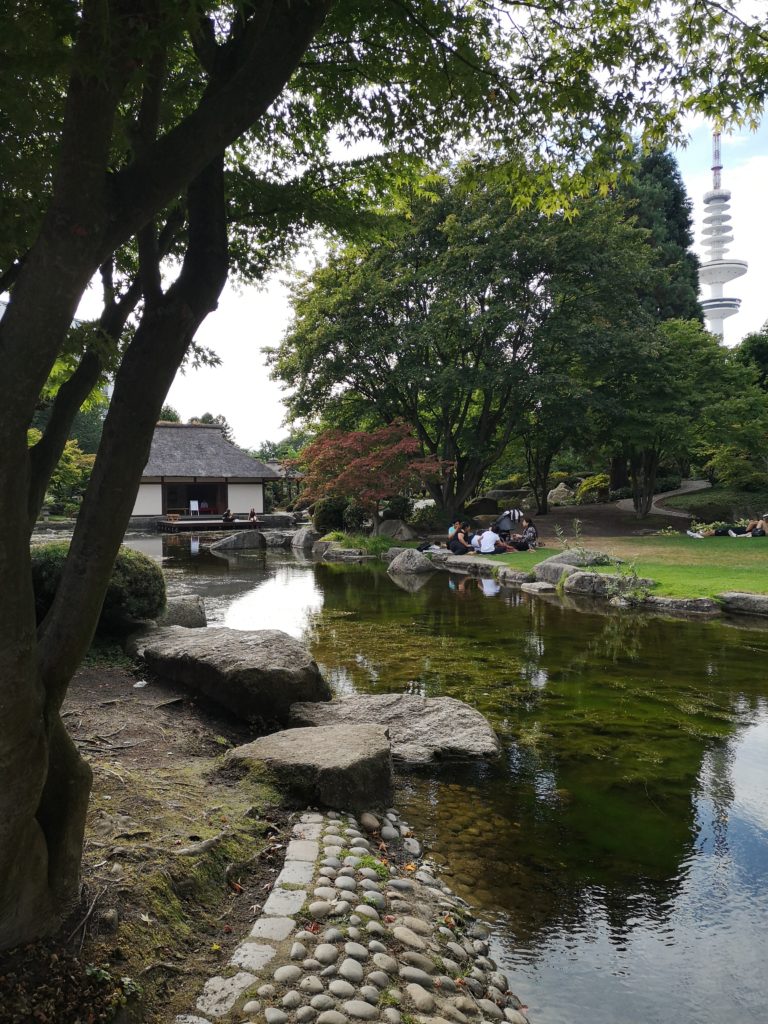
(492, 544)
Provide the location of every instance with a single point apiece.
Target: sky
(248, 319)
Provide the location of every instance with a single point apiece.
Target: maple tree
(367, 466)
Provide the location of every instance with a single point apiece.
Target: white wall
(243, 497)
(149, 500)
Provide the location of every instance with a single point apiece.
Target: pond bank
(354, 929)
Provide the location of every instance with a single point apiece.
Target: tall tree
(461, 324)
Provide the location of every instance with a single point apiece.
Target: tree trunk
(619, 472)
(643, 468)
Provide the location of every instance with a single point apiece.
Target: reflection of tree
(718, 788)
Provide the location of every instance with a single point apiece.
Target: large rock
(409, 562)
(397, 530)
(244, 540)
(421, 729)
(187, 611)
(509, 577)
(561, 495)
(335, 553)
(743, 603)
(596, 584)
(304, 538)
(482, 507)
(278, 539)
(348, 767)
(684, 606)
(553, 572)
(256, 675)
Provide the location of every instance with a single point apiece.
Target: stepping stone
(337, 766)
(252, 956)
(275, 928)
(221, 994)
(282, 902)
(256, 675)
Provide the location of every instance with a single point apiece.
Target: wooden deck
(201, 524)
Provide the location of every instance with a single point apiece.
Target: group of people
(494, 539)
(754, 528)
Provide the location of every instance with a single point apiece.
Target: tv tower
(718, 270)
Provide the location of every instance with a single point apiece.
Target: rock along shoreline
(357, 929)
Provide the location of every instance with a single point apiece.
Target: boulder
(685, 606)
(187, 611)
(596, 584)
(256, 675)
(347, 767)
(743, 603)
(408, 562)
(553, 572)
(561, 495)
(305, 538)
(278, 539)
(397, 530)
(243, 540)
(334, 553)
(421, 729)
(509, 577)
(390, 553)
(320, 547)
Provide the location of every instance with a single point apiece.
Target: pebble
(379, 979)
(490, 1009)
(458, 951)
(265, 991)
(451, 966)
(342, 989)
(352, 971)
(354, 920)
(465, 1005)
(322, 1002)
(392, 1016)
(413, 846)
(292, 999)
(369, 885)
(408, 938)
(330, 971)
(351, 861)
(325, 892)
(376, 900)
(385, 962)
(327, 872)
(340, 908)
(305, 936)
(403, 884)
(325, 952)
(331, 862)
(298, 952)
(421, 999)
(359, 1008)
(331, 1017)
(274, 1016)
(365, 911)
(370, 994)
(388, 833)
(451, 1013)
(332, 935)
(252, 1006)
(344, 883)
(417, 925)
(499, 980)
(377, 947)
(311, 965)
(418, 960)
(319, 909)
(370, 874)
(415, 975)
(374, 928)
(347, 872)
(515, 1017)
(446, 984)
(369, 822)
(286, 975)
(474, 986)
(305, 1014)
(354, 933)
(356, 950)
(312, 985)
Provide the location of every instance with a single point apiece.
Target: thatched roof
(200, 449)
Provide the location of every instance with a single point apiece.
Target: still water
(621, 844)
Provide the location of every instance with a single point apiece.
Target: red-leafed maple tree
(366, 466)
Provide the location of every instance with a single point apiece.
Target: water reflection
(622, 839)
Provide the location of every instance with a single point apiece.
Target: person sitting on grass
(528, 538)
(754, 528)
(492, 544)
(455, 525)
(459, 543)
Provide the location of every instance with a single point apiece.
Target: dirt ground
(178, 859)
(600, 521)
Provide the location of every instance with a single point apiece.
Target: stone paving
(356, 930)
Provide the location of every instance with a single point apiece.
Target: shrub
(620, 493)
(136, 589)
(594, 488)
(399, 507)
(328, 514)
(667, 482)
(514, 482)
(355, 517)
(428, 517)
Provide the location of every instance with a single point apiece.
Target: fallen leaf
(146, 918)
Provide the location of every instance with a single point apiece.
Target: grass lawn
(683, 566)
(721, 504)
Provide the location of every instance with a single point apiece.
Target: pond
(621, 843)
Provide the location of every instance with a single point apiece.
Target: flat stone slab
(246, 540)
(538, 587)
(699, 606)
(256, 675)
(253, 956)
(341, 766)
(421, 729)
(221, 994)
(743, 603)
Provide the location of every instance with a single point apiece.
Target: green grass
(370, 545)
(721, 504)
(682, 566)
